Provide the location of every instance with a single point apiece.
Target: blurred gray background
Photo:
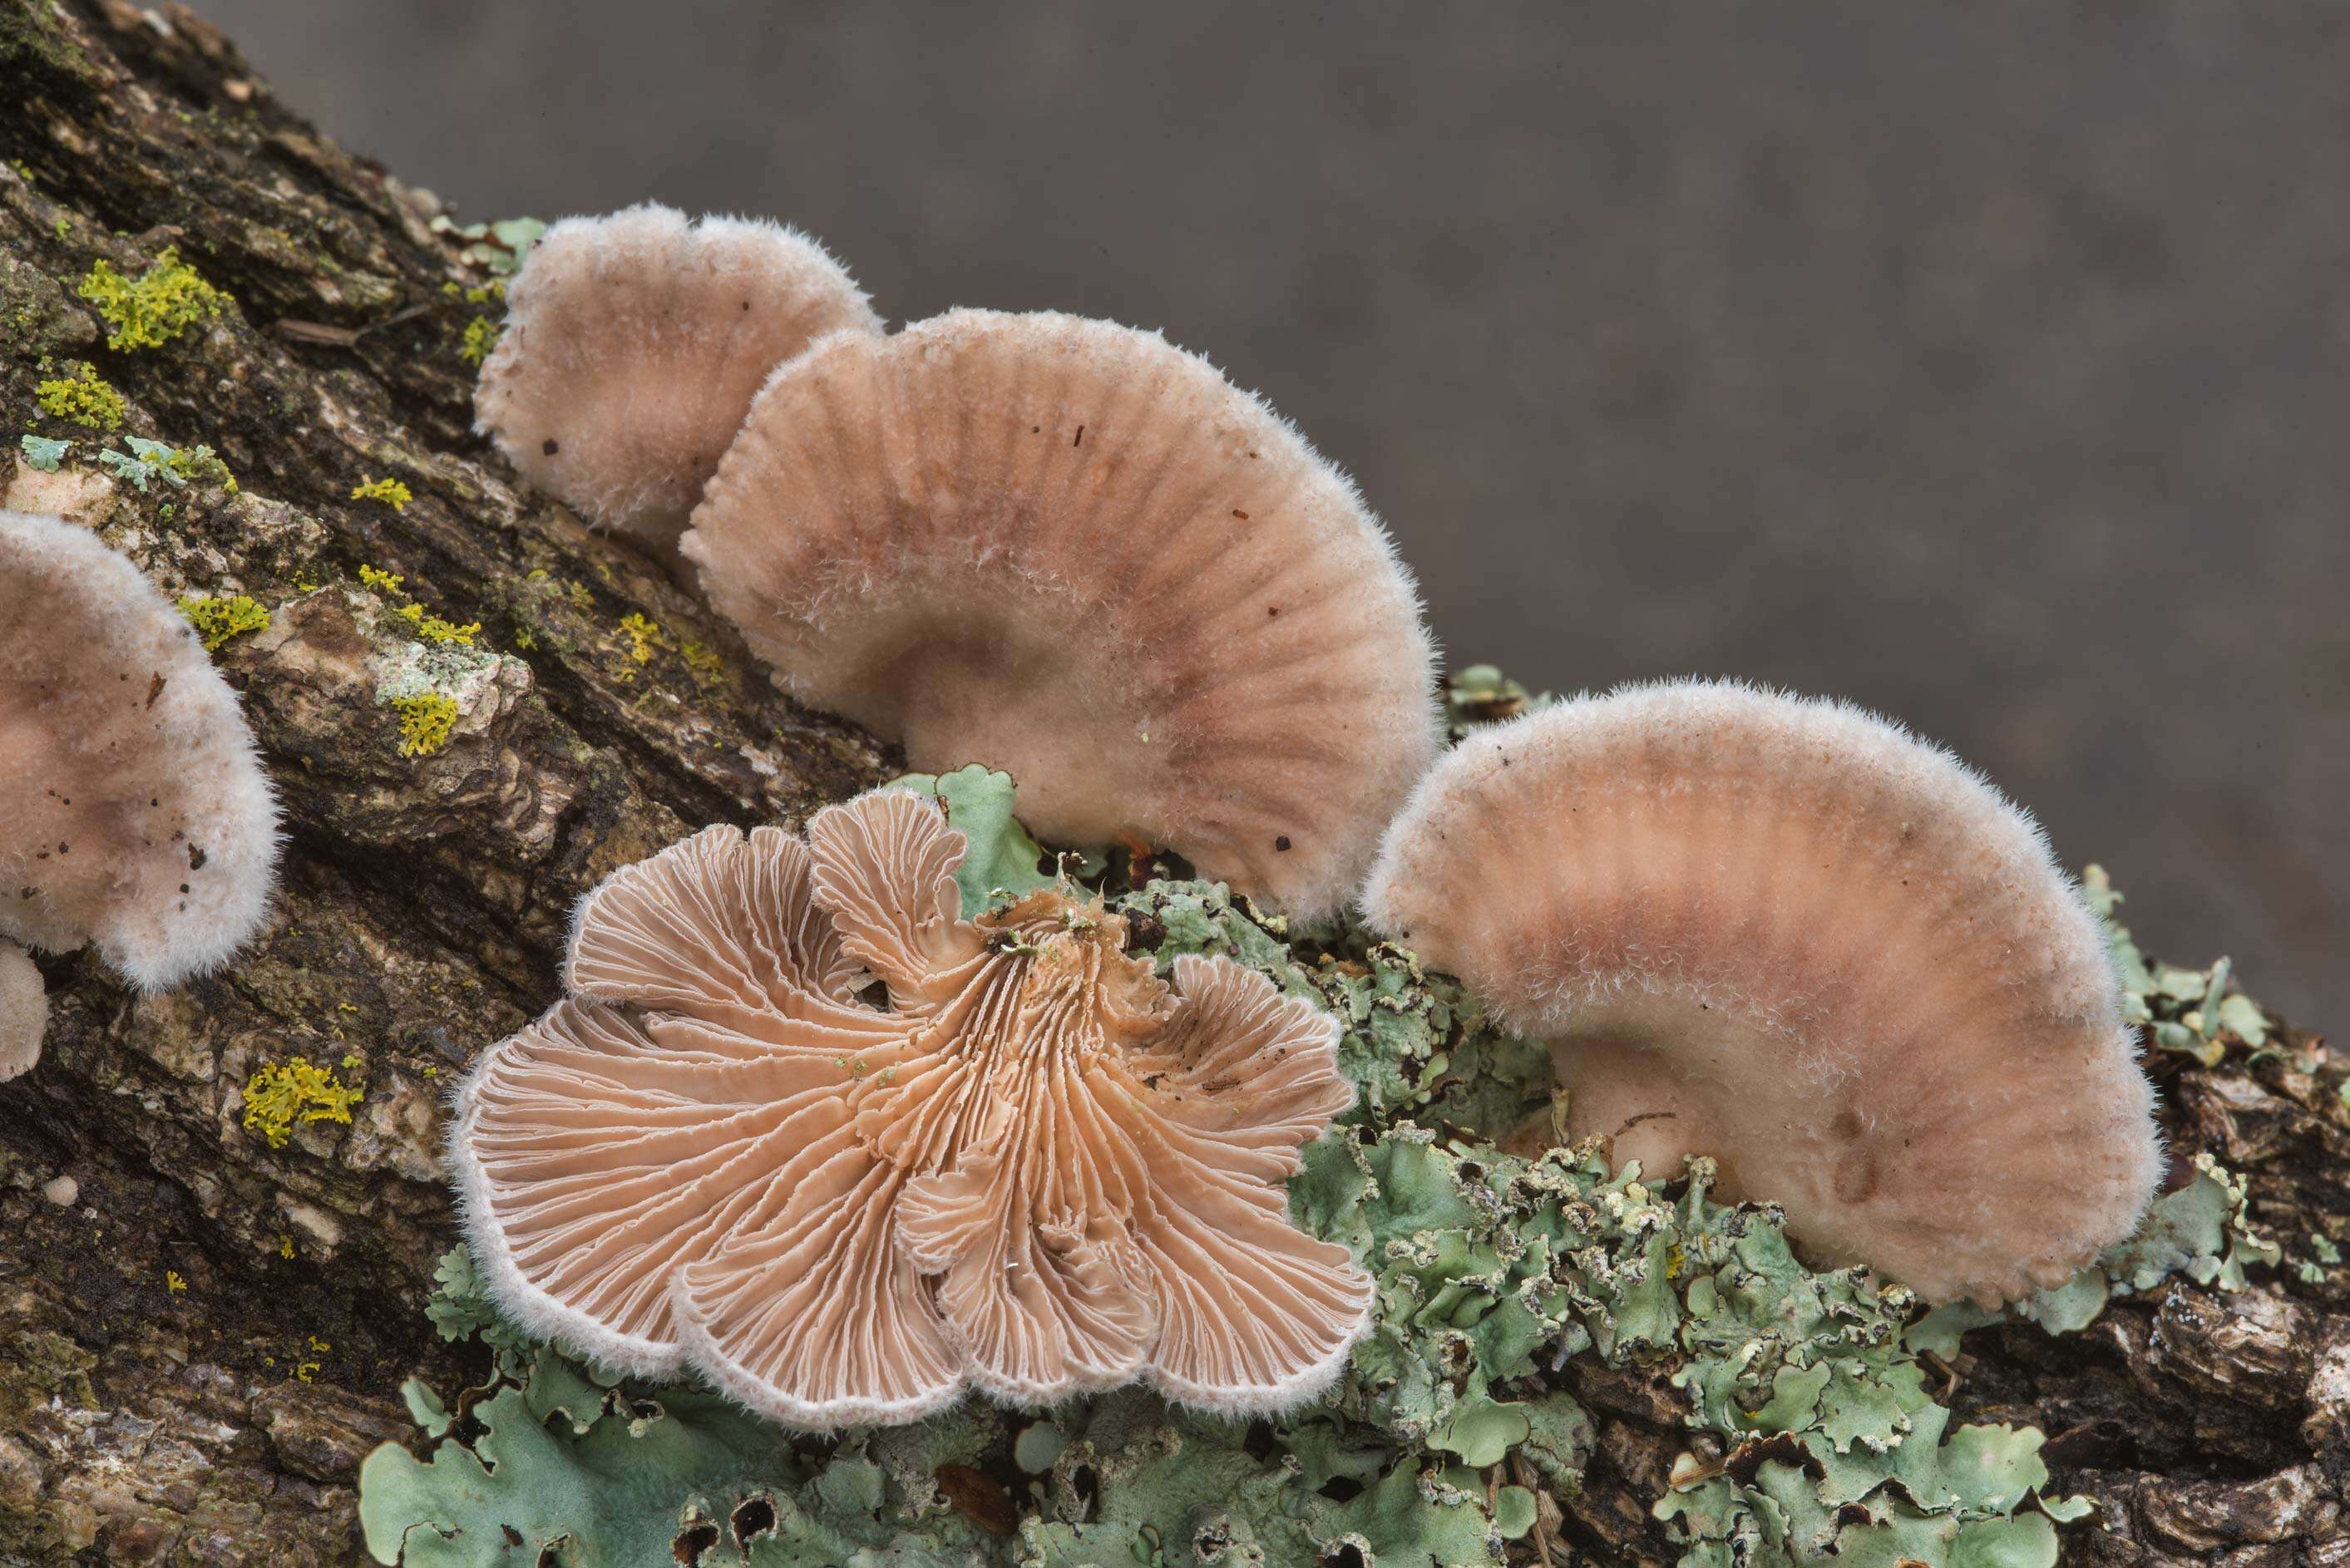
(1985, 363)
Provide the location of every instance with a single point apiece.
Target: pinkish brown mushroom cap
(24, 1012)
(1790, 935)
(1037, 1169)
(634, 344)
(134, 812)
(1072, 552)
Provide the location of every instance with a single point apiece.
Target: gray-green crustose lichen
(1812, 1430)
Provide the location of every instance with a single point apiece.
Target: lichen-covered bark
(197, 1348)
(2210, 1427)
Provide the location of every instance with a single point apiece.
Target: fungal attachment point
(1071, 551)
(134, 812)
(1029, 1166)
(1788, 934)
(633, 345)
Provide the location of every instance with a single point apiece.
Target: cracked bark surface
(196, 1350)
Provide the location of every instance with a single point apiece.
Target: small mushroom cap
(1037, 1168)
(1788, 934)
(24, 1012)
(134, 812)
(1071, 551)
(634, 345)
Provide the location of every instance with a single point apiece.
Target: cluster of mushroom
(134, 812)
(1027, 1165)
(1781, 933)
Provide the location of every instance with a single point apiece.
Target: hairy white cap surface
(24, 1012)
(134, 812)
(1069, 550)
(1035, 1169)
(634, 344)
(1787, 933)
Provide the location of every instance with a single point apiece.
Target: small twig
(328, 337)
(1523, 1474)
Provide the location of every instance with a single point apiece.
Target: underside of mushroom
(1071, 551)
(633, 346)
(1787, 934)
(1033, 1166)
(134, 812)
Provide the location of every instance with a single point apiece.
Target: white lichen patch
(466, 676)
(402, 670)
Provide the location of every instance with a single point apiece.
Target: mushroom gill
(1035, 1167)
(1790, 935)
(1069, 550)
(134, 812)
(635, 342)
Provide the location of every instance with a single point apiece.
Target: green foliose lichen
(151, 309)
(2203, 1232)
(1814, 1432)
(2193, 1011)
(148, 460)
(42, 451)
(1481, 695)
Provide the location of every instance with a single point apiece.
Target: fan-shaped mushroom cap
(24, 1012)
(1068, 550)
(134, 812)
(634, 344)
(1788, 934)
(1037, 1168)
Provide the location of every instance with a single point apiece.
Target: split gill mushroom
(1790, 935)
(634, 344)
(1068, 550)
(134, 812)
(1033, 1166)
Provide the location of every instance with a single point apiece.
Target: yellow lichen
(218, 620)
(424, 722)
(482, 335)
(151, 309)
(391, 492)
(83, 399)
(173, 1283)
(285, 1093)
(432, 628)
(381, 581)
(285, 1246)
(704, 661)
(645, 638)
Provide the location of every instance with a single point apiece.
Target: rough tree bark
(198, 1349)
